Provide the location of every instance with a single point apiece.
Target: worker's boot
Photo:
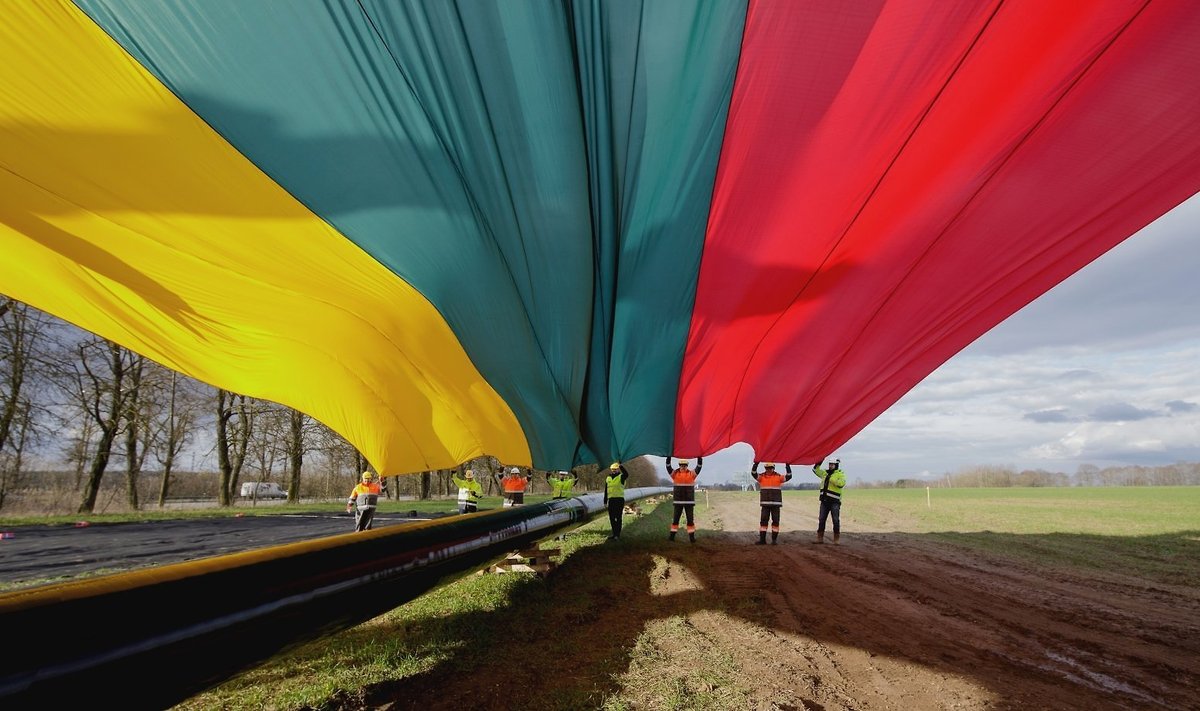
(774, 538)
(820, 537)
(671, 536)
(836, 536)
(692, 537)
(762, 540)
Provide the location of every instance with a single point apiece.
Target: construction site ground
(888, 619)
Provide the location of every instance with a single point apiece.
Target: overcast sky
(1102, 369)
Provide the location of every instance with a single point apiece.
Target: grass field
(1150, 531)
(485, 620)
(1124, 511)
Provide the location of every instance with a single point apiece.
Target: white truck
(262, 490)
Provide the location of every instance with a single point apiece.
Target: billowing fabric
(907, 174)
(573, 232)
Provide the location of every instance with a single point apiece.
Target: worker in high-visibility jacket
(770, 499)
(513, 483)
(469, 491)
(562, 484)
(833, 480)
(684, 495)
(614, 497)
(366, 497)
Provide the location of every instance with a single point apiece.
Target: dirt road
(902, 621)
(882, 621)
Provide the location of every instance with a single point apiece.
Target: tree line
(987, 476)
(71, 397)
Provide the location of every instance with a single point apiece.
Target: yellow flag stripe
(124, 213)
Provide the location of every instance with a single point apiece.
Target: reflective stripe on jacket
(832, 483)
(365, 495)
(469, 490)
(770, 488)
(685, 486)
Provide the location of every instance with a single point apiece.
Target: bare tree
(95, 380)
(175, 427)
(339, 456)
(79, 445)
(267, 444)
(15, 364)
(1086, 474)
(11, 461)
(296, 446)
(23, 338)
(135, 399)
(235, 424)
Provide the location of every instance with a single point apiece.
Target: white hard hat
(515, 470)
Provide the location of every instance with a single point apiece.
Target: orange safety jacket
(514, 484)
(365, 495)
(685, 485)
(770, 488)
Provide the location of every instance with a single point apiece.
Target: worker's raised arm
(699, 465)
(754, 471)
(624, 474)
(670, 469)
(787, 468)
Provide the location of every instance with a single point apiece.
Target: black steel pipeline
(152, 638)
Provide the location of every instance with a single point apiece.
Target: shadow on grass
(561, 643)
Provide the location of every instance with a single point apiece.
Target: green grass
(483, 620)
(1148, 532)
(1125, 511)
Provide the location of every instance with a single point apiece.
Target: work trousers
(769, 513)
(830, 506)
(467, 507)
(616, 510)
(363, 519)
(689, 510)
